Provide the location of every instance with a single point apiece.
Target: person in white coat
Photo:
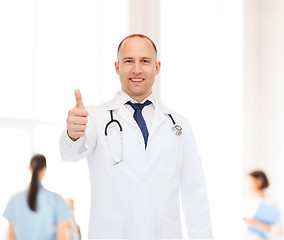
(141, 155)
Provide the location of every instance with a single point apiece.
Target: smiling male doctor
(136, 179)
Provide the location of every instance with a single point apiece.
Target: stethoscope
(177, 130)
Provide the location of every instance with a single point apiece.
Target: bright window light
(49, 48)
(17, 58)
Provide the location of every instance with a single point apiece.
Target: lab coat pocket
(171, 229)
(107, 227)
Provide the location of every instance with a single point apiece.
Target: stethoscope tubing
(176, 129)
(111, 121)
(119, 125)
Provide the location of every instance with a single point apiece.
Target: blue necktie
(139, 118)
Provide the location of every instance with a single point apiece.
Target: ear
(116, 64)
(158, 67)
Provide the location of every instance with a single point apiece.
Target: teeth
(136, 79)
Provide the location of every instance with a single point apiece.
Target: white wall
(202, 78)
(264, 91)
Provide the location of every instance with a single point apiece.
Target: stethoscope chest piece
(177, 129)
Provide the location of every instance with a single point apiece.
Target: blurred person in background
(36, 213)
(262, 218)
(72, 229)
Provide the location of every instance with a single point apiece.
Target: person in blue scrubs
(36, 213)
(264, 227)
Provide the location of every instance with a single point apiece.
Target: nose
(137, 68)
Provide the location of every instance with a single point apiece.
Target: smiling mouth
(136, 79)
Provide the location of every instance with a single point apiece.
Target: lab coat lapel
(159, 117)
(117, 105)
(124, 113)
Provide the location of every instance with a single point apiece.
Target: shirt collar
(40, 185)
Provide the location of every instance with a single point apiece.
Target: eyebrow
(140, 58)
(146, 58)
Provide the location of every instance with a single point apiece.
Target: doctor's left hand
(77, 118)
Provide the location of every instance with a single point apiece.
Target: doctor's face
(137, 67)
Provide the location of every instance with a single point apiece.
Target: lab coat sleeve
(75, 150)
(193, 191)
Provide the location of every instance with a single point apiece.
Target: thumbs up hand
(77, 118)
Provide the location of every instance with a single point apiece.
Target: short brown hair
(258, 174)
(133, 36)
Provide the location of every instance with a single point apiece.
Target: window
(49, 48)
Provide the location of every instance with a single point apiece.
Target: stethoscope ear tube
(111, 121)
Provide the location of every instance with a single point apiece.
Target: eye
(145, 61)
(128, 61)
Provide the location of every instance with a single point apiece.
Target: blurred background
(222, 68)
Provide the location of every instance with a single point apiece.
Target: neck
(260, 193)
(138, 98)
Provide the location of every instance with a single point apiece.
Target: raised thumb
(78, 96)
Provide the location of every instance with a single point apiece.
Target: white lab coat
(139, 198)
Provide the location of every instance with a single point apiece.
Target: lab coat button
(144, 220)
(144, 180)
